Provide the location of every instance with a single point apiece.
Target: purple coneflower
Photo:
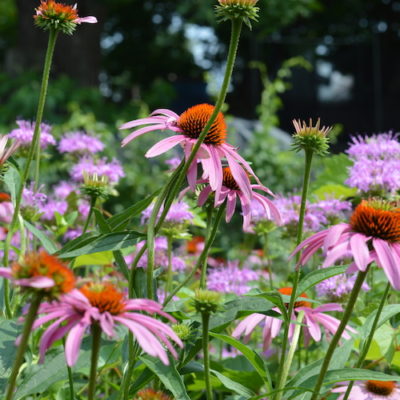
(24, 134)
(230, 192)
(187, 128)
(370, 390)
(104, 305)
(373, 234)
(80, 142)
(313, 317)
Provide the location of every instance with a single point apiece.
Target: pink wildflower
(370, 390)
(313, 317)
(373, 234)
(104, 305)
(230, 192)
(188, 127)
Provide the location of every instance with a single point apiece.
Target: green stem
(124, 391)
(89, 217)
(202, 260)
(205, 317)
(338, 335)
(265, 258)
(29, 320)
(96, 339)
(27, 167)
(168, 286)
(306, 183)
(173, 189)
(289, 359)
(367, 344)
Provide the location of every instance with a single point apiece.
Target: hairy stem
(96, 339)
(367, 344)
(337, 336)
(29, 320)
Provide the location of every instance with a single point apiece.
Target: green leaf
(254, 359)
(121, 220)
(104, 242)
(237, 306)
(47, 243)
(103, 258)
(168, 375)
(350, 374)
(12, 180)
(232, 385)
(319, 275)
(78, 242)
(335, 191)
(387, 312)
(9, 331)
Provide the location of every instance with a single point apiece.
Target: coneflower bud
(244, 10)
(311, 137)
(183, 331)
(95, 186)
(207, 301)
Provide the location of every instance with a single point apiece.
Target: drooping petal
(6, 273)
(240, 177)
(73, 343)
(333, 234)
(336, 253)
(88, 20)
(203, 196)
(140, 132)
(230, 206)
(247, 325)
(164, 145)
(37, 282)
(359, 249)
(143, 121)
(388, 259)
(165, 111)
(313, 328)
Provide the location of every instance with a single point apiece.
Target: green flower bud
(206, 301)
(183, 331)
(311, 137)
(245, 10)
(95, 186)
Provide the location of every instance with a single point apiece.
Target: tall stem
(337, 336)
(233, 46)
(96, 337)
(306, 183)
(205, 317)
(367, 344)
(29, 319)
(168, 285)
(35, 147)
(201, 262)
(87, 222)
(289, 359)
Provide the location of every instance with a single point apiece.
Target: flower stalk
(367, 344)
(306, 182)
(34, 149)
(96, 337)
(205, 318)
(29, 320)
(174, 188)
(168, 285)
(335, 339)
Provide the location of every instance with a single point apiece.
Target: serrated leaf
(168, 375)
(104, 242)
(47, 243)
(319, 275)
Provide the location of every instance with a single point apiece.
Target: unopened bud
(244, 10)
(207, 301)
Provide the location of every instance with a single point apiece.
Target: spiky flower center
(194, 119)
(104, 296)
(50, 9)
(151, 394)
(288, 291)
(228, 180)
(45, 265)
(379, 220)
(381, 388)
(4, 197)
(238, 2)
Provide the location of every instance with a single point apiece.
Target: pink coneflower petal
(164, 145)
(247, 325)
(73, 343)
(359, 248)
(88, 20)
(6, 273)
(313, 327)
(333, 234)
(140, 132)
(230, 206)
(38, 282)
(142, 121)
(166, 112)
(389, 260)
(203, 196)
(240, 177)
(337, 253)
